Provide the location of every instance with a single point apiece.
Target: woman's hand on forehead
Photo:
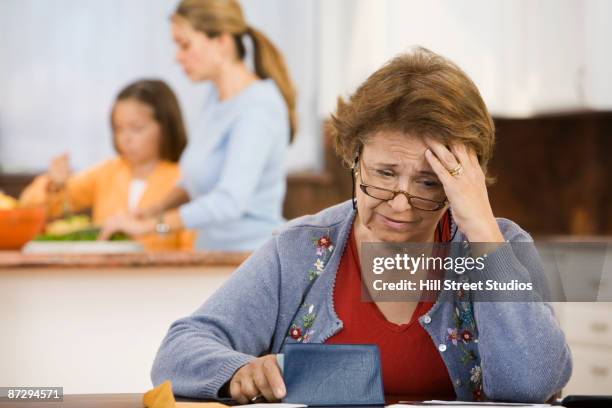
(464, 183)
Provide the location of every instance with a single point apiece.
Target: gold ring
(456, 171)
(257, 399)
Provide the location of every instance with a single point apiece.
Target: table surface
(92, 401)
(106, 401)
(83, 401)
(99, 401)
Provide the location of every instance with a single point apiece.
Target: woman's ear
(354, 174)
(226, 44)
(355, 165)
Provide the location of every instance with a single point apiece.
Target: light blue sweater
(233, 169)
(516, 351)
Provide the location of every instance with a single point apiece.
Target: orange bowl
(20, 225)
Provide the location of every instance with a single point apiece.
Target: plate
(82, 247)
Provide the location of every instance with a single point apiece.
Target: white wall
(526, 56)
(598, 58)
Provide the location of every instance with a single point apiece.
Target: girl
(149, 137)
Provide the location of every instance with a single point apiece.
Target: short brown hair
(166, 111)
(421, 93)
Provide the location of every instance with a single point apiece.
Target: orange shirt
(105, 188)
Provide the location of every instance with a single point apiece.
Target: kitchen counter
(16, 259)
(93, 323)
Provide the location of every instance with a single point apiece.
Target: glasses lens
(416, 202)
(379, 193)
(424, 204)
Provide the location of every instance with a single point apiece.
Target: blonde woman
(233, 178)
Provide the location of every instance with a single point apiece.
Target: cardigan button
(458, 382)
(426, 319)
(442, 348)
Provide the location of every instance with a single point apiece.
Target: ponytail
(269, 63)
(214, 17)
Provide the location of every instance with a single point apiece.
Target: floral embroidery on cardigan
(464, 335)
(302, 332)
(324, 250)
(476, 383)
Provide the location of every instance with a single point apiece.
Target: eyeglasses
(385, 194)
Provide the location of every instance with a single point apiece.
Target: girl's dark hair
(166, 111)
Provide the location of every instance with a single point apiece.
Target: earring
(354, 174)
(353, 196)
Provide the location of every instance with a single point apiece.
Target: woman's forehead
(394, 147)
(180, 27)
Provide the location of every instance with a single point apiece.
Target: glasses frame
(363, 187)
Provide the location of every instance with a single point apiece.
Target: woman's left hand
(127, 224)
(466, 191)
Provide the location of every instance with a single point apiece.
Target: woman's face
(396, 161)
(199, 55)
(137, 134)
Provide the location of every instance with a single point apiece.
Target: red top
(412, 368)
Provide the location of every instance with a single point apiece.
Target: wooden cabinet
(554, 173)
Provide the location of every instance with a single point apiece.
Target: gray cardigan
(283, 293)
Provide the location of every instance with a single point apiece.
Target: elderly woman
(418, 136)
